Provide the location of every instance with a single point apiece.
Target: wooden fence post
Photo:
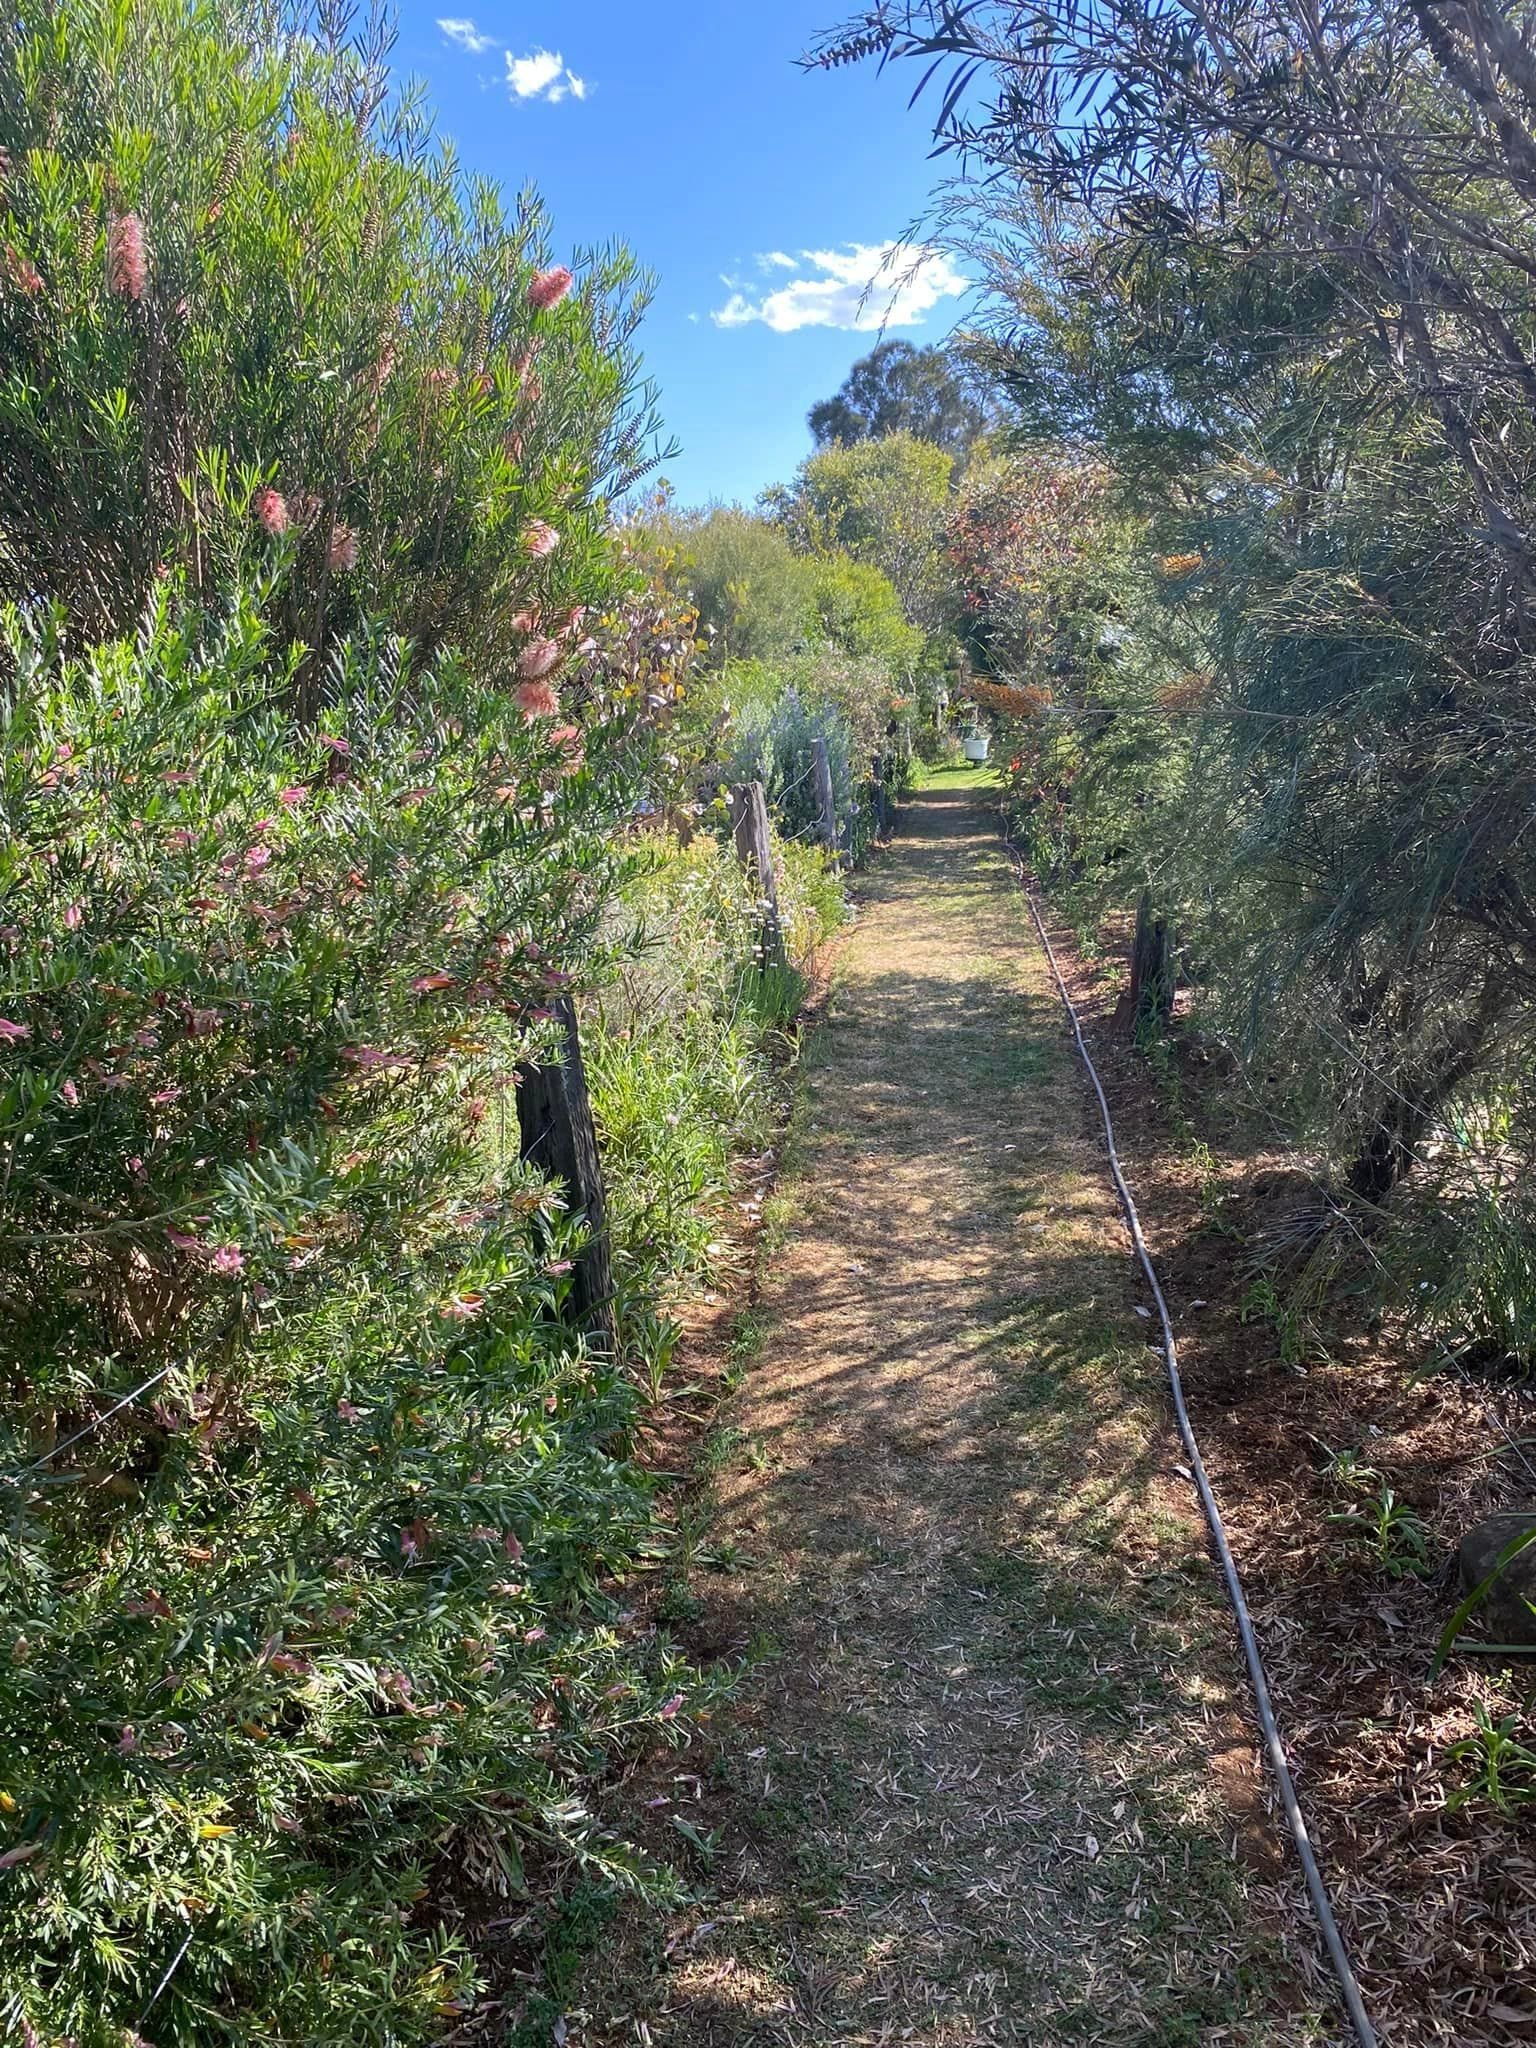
(822, 771)
(554, 1115)
(749, 823)
(1154, 982)
(884, 809)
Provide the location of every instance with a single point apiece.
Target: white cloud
(775, 259)
(542, 75)
(467, 36)
(861, 287)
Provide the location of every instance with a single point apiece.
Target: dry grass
(987, 1780)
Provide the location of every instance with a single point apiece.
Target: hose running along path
(1317, 1890)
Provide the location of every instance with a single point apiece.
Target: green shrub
(312, 1496)
(681, 1050)
(243, 288)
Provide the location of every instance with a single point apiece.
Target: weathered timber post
(1153, 980)
(821, 769)
(885, 810)
(554, 1115)
(749, 824)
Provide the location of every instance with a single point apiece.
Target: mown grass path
(988, 1782)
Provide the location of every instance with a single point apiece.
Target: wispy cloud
(543, 75)
(467, 36)
(861, 286)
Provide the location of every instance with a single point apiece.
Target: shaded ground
(988, 1780)
(1438, 1906)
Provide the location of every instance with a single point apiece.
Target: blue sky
(754, 191)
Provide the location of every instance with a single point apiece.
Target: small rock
(1509, 1610)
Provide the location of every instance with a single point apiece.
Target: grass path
(987, 1782)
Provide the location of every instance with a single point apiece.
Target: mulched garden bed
(1438, 1908)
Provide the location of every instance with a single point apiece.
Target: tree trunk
(554, 1114)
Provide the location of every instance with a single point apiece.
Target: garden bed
(1438, 1906)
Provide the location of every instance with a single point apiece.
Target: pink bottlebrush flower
(12, 1033)
(291, 798)
(538, 659)
(70, 1093)
(25, 275)
(511, 1546)
(536, 700)
(540, 538)
(271, 509)
(549, 288)
(228, 1259)
(339, 747)
(341, 554)
(562, 734)
(74, 917)
(256, 858)
(127, 268)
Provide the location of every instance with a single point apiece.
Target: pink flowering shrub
(310, 1494)
(223, 275)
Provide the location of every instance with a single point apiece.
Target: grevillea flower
(228, 1259)
(536, 700)
(272, 510)
(539, 658)
(12, 1033)
(549, 288)
(540, 538)
(342, 552)
(256, 858)
(74, 917)
(127, 269)
(292, 797)
(462, 1308)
